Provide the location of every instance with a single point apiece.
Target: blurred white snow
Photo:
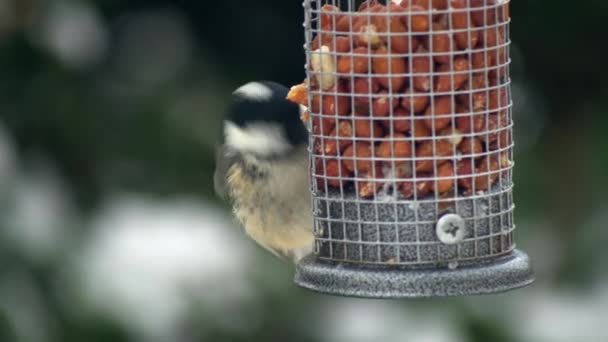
(147, 260)
(73, 32)
(356, 320)
(551, 315)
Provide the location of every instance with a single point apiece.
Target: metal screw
(450, 229)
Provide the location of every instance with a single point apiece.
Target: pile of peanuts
(415, 86)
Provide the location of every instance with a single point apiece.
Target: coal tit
(262, 169)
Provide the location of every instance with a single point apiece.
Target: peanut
(320, 39)
(399, 125)
(417, 22)
(322, 123)
(331, 104)
(371, 183)
(487, 17)
(471, 146)
(446, 182)
(492, 37)
(415, 102)
(371, 27)
(363, 88)
(467, 122)
(330, 171)
(323, 65)
(498, 99)
(330, 145)
(440, 4)
(345, 23)
(345, 130)
(443, 148)
(453, 135)
(299, 94)
(479, 102)
(404, 169)
(316, 145)
(357, 157)
(503, 141)
(478, 62)
(384, 63)
(487, 168)
(452, 77)
(335, 43)
(368, 36)
(367, 4)
(495, 126)
(422, 65)
(419, 131)
(333, 145)
(329, 15)
(441, 43)
(401, 40)
(342, 44)
(358, 63)
(419, 190)
(498, 103)
(460, 21)
(435, 4)
(367, 128)
(437, 115)
(497, 59)
(396, 147)
(464, 169)
(326, 107)
(381, 106)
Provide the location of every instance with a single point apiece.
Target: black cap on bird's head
(262, 121)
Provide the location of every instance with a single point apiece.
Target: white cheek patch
(254, 91)
(262, 138)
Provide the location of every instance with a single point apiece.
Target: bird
(262, 169)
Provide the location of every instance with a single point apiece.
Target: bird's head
(262, 122)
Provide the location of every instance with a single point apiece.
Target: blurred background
(109, 229)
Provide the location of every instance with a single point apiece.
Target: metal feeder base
(502, 274)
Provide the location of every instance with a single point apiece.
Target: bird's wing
(224, 159)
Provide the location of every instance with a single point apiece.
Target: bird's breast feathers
(273, 205)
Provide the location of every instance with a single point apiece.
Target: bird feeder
(411, 149)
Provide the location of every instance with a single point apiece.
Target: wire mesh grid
(410, 118)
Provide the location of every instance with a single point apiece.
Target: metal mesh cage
(411, 144)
